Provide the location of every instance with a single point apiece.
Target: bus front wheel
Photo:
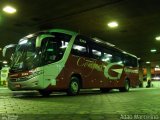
(74, 87)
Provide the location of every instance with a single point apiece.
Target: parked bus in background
(4, 65)
(4, 75)
(62, 60)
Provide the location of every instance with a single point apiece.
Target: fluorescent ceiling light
(5, 62)
(148, 62)
(9, 9)
(158, 38)
(153, 50)
(112, 24)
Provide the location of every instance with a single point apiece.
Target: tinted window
(54, 47)
(130, 61)
(117, 58)
(95, 50)
(107, 57)
(110, 55)
(96, 53)
(80, 47)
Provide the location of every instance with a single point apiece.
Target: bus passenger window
(79, 47)
(117, 59)
(107, 57)
(79, 50)
(130, 61)
(96, 54)
(64, 44)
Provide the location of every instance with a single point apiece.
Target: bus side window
(79, 47)
(134, 62)
(96, 54)
(130, 61)
(95, 51)
(106, 57)
(117, 58)
(126, 61)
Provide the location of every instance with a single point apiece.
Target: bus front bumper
(30, 84)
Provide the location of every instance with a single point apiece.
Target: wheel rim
(74, 87)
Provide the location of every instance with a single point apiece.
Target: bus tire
(126, 87)
(74, 87)
(45, 92)
(104, 90)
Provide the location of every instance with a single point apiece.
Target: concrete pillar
(141, 76)
(148, 67)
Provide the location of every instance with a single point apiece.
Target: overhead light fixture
(153, 50)
(148, 62)
(158, 38)
(9, 9)
(113, 24)
(5, 62)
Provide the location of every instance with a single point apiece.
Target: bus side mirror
(7, 47)
(42, 37)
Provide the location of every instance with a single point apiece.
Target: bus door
(50, 57)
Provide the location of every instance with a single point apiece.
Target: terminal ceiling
(139, 22)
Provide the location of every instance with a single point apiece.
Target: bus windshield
(25, 56)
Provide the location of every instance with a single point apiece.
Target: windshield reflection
(25, 56)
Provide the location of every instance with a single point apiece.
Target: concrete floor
(138, 104)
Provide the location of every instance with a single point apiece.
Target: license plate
(17, 85)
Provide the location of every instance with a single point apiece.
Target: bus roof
(51, 30)
(63, 31)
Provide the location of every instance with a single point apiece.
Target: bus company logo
(118, 71)
(82, 62)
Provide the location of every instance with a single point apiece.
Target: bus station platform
(138, 104)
